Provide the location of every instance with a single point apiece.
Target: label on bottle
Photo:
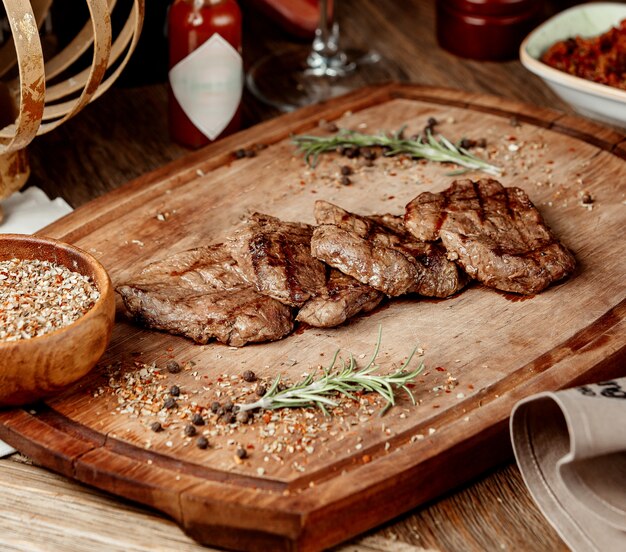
(208, 84)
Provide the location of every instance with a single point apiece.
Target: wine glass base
(297, 77)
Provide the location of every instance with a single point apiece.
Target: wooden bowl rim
(103, 283)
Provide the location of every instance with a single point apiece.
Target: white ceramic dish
(598, 101)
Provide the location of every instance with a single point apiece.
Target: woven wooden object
(27, 106)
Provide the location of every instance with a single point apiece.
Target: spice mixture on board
(38, 297)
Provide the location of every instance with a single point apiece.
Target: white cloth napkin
(24, 213)
(28, 211)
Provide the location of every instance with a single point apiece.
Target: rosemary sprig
(345, 380)
(438, 149)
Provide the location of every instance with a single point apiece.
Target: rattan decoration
(38, 108)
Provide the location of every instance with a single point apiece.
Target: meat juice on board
(206, 70)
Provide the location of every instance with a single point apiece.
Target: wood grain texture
(61, 514)
(424, 450)
(124, 135)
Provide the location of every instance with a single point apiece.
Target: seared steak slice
(495, 233)
(275, 257)
(378, 251)
(201, 294)
(341, 298)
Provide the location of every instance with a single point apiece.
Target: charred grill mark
(258, 247)
(443, 213)
(195, 265)
(507, 204)
(481, 201)
(296, 293)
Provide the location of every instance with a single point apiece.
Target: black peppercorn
(260, 390)
(249, 376)
(346, 170)
(215, 406)
(242, 453)
(368, 154)
(170, 403)
(240, 153)
(156, 427)
(197, 419)
(228, 406)
(173, 367)
(202, 442)
(174, 391)
(345, 181)
(190, 430)
(351, 153)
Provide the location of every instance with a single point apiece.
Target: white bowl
(594, 100)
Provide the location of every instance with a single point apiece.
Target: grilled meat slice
(275, 257)
(340, 299)
(378, 251)
(496, 234)
(201, 294)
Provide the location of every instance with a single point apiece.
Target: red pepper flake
(470, 386)
(267, 417)
(435, 406)
(440, 369)
(366, 458)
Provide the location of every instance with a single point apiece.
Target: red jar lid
(492, 7)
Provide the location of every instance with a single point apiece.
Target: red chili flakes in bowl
(600, 59)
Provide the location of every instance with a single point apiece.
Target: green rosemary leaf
(345, 380)
(438, 149)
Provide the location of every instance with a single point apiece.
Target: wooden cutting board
(310, 482)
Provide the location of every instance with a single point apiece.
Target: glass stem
(326, 58)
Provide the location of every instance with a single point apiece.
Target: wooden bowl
(41, 366)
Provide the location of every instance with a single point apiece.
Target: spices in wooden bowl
(38, 297)
(56, 315)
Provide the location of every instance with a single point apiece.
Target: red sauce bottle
(206, 70)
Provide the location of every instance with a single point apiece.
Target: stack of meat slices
(249, 289)
(494, 233)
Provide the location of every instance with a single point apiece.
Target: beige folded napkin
(571, 449)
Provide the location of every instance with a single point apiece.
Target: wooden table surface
(124, 135)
